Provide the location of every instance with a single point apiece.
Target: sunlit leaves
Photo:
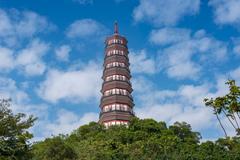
(228, 105)
(14, 135)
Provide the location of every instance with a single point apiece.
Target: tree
(211, 151)
(142, 139)
(185, 133)
(228, 106)
(14, 135)
(53, 149)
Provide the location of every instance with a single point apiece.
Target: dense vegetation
(14, 137)
(142, 139)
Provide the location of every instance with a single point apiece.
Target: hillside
(142, 140)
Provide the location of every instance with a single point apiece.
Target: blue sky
(181, 51)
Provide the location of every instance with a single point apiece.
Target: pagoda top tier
(116, 38)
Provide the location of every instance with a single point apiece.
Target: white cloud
(235, 74)
(8, 89)
(177, 61)
(6, 59)
(30, 60)
(226, 11)
(159, 112)
(162, 12)
(31, 23)
(21, 103)
(221, 88)
(85, 28)
(168, 36)
(194, 95)
(185, 56)
(27, 60)
(64, 123)
(62, 52)
(140, 63)
(76, 86)
(183, 104)
(236, 49)
(236, 46)
(5, 24)
(18, 28)
(199, 118)
(139, 84)
(67, 121)
(16, 25)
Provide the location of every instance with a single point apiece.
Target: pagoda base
(115, 117)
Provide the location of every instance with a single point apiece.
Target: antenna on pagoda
(115, 27)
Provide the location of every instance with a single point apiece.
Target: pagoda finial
(116, 27)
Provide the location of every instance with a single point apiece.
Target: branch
(235, 119)
(229, 119)
(221, 124)
(238, 115)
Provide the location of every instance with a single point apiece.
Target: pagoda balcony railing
(127, 64)
(129, 95)
(118, 110)
(107, 56)
(125, 67)
(119, 44)
(128, 81)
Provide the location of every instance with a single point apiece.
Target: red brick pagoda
(116, 102)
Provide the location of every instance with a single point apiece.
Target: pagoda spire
(115, 27)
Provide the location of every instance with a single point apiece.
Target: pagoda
(116, 102)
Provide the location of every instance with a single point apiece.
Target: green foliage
(228, 106)
(14, 137)
(184, 132)
(141, 140)
(53, 148)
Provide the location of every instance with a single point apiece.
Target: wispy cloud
(62, 53)
(7, 59)
(85, 28)
(164, 13)
(168, 36)
(141, 63)
(183, 57)
(16, 26)
(67, 121)
(226, 11)
(30, 60)
(73, 85)
(182, 104)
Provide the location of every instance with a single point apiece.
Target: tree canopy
(143, 139)
(14, 135)
(227, 106)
